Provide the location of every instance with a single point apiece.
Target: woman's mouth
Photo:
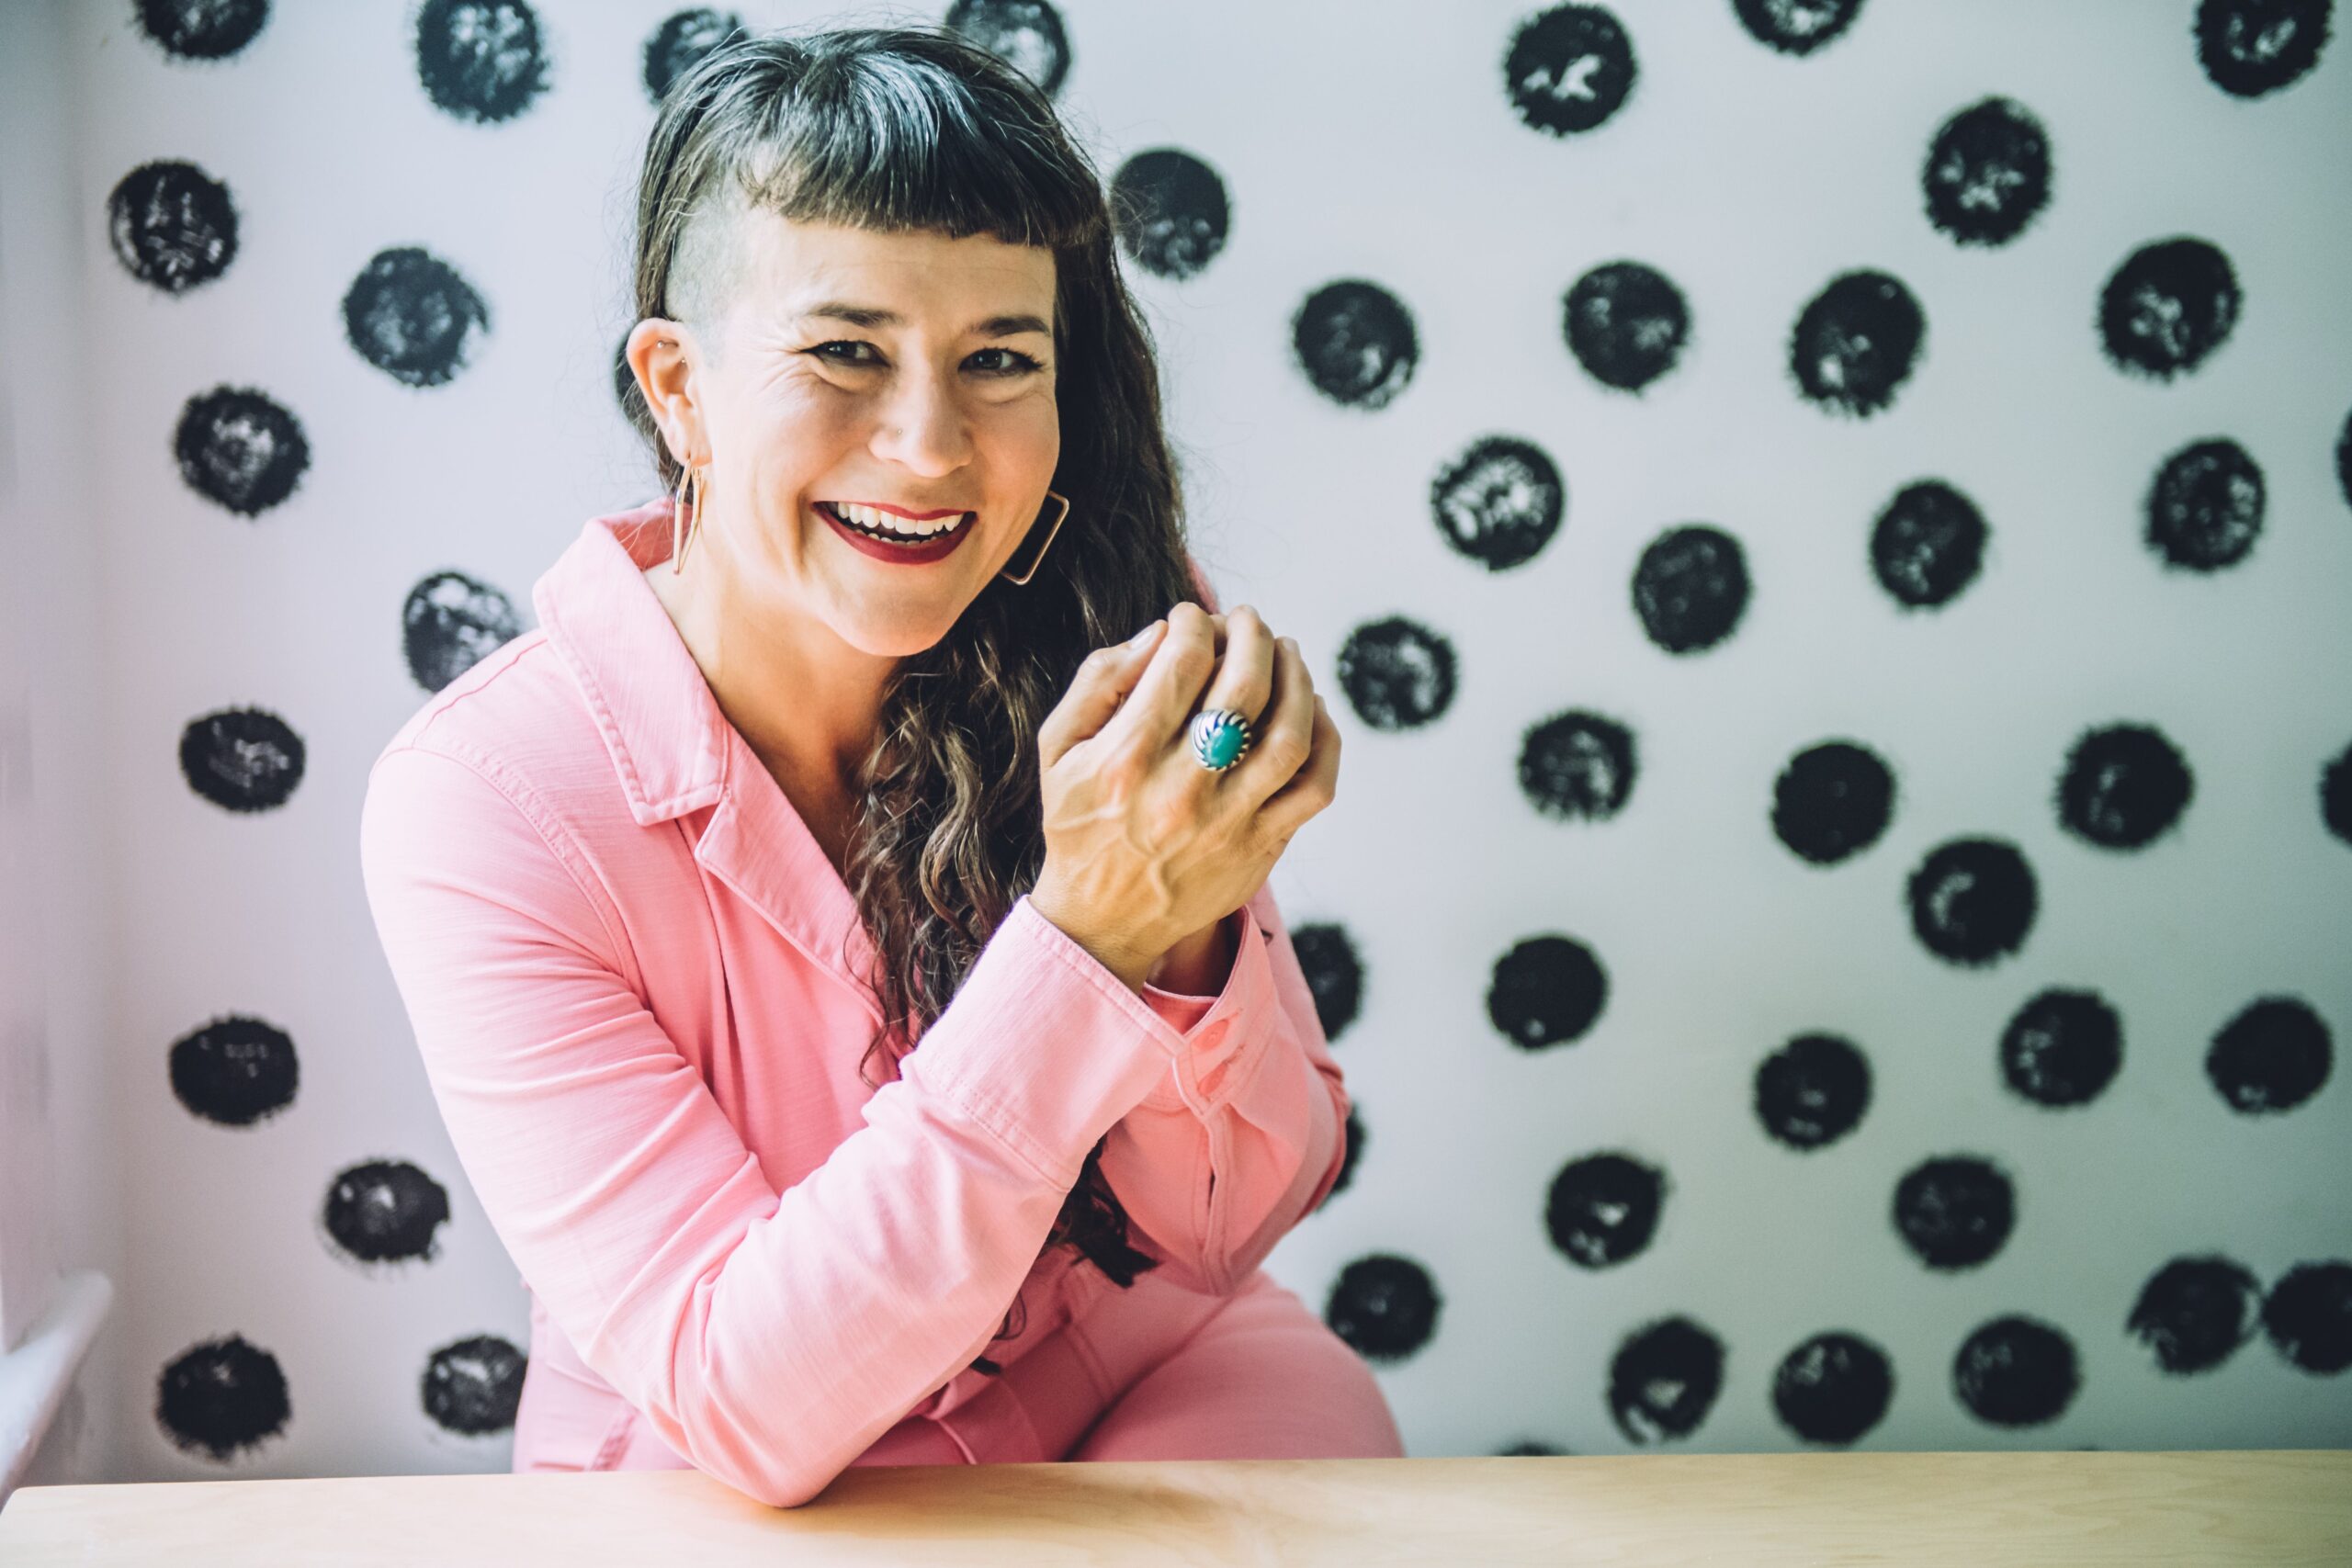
(887, 537)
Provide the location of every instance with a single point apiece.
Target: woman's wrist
(1131, 966)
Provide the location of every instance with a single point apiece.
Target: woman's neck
(805, 703)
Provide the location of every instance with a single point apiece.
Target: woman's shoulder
(516, 719)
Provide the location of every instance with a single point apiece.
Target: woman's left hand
(1249, 658)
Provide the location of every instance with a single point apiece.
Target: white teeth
(890, 523)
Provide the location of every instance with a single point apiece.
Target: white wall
(1356, 141)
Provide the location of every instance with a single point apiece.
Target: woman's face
(907, 371)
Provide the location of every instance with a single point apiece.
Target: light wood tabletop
(1985, 1510)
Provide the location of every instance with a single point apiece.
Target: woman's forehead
(894, 280)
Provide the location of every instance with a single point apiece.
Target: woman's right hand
(1144, 846)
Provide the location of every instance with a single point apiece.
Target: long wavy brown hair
(902, 129)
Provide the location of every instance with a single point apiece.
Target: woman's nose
(922, 428)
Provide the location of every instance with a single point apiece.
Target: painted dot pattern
(172, 225)
(473, 1386)
(682, 41)
(1569, 69)
(1397, 674)
(2205, 508)
(1927, 545)
(385, 1211)
(1626, 323)
(1988, 173)
(483, 62)
(1499, 502)
(1357, 344)
(240, 449)
(1855, 343)
(1983, 177)
(243, 759)
(449, 622)
(234, 1071)
(2168, 306)
(411, 315)
(1171, 212)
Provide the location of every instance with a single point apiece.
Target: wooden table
(1984, 1510)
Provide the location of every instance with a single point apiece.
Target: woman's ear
(661, 355)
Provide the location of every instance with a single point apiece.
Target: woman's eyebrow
(876, 316)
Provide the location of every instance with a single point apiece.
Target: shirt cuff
(1212, 1030)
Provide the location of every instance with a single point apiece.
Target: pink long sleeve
(1245, 1137)
(769, 1338)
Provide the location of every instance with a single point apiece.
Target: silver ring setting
(1220, 739)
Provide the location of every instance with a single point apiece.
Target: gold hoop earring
(1051, 529)
(682, 533)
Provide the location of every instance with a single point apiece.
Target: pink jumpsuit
(631, 971)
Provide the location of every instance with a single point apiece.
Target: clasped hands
(1147, 851)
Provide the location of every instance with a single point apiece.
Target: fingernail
(1144, 635)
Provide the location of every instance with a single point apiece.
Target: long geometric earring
(680, 542)
(1039, 554)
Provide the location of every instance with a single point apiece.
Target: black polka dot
(2205, 507)
(1603, 1209)
(1927, 544)
(2252, 46)
(234, 1070)
(2063, 1047)
(242, 759)
(482, 61)
(2308, 1316)
(449, 622)
(472, 1387)
(1795, 26)
(1397, 674)
(2344, 460)
(1578, 765)
(1691, 588)
(1499, 503)
(1546, 992)
(1856, 341)
(2195, 1311)
(2016, 1371)
(1627, 324)
(1973, 900)
(240, 450)
(1028, 35)
(2170, 304)
(1568, 68)
(173, 226)
(384, 1211)
(1813, 1091)
(1987, 173)
(1385, 1306)
(1352, 1149)
(682, 42)
(1832, 801)
(2272, 1056)
(1954, 1211)
(1356, 342)
(202, 29)
(2335, 794)
(1171, 212)
(1334, 972)
(1663, 1379)
(2123, 786)
(1833, 1388)
(412, 316)
(221, 1396)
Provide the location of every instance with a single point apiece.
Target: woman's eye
(1016, 363)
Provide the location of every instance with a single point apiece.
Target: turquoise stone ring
(1220, 736)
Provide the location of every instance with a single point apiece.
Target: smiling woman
(873, 735)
